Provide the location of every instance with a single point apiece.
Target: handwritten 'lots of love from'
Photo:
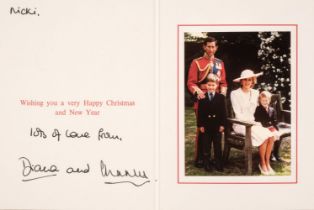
(56, 134)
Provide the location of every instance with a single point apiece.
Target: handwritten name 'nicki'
(23, 11)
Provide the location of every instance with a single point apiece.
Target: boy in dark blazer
(211, 122)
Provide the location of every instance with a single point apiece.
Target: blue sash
(215, 70)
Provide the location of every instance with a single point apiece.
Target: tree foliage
(274, 56)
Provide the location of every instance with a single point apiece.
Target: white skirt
(259, 133)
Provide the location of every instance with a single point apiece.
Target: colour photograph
(238, 103)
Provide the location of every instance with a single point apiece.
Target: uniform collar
(207, 58)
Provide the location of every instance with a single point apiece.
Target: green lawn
(235, 166)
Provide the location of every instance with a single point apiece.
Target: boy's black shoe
(279, 159)
(208, 166)
(219, 167)
(275, 154)
(274, 158)
(207, 163)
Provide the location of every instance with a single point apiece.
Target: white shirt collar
(213, 93)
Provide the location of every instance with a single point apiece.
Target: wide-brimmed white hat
(247, 73)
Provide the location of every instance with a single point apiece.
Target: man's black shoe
(208, 167)
(219, 167)
(199, 164)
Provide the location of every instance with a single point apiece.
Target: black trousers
(207, 139)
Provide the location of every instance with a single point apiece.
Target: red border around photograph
(178, 107)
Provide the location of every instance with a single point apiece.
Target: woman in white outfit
(244, 102)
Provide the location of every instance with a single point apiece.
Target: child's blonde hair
(211, 78)
(264, 94)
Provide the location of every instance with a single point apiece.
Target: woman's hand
(221, 129)
(202, 129)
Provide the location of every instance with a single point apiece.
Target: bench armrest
(286, 114)
(241, 122)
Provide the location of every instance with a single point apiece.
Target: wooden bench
(244, 142)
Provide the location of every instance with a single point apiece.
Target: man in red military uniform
(200, 68)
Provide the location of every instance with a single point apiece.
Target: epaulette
(198, 58)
